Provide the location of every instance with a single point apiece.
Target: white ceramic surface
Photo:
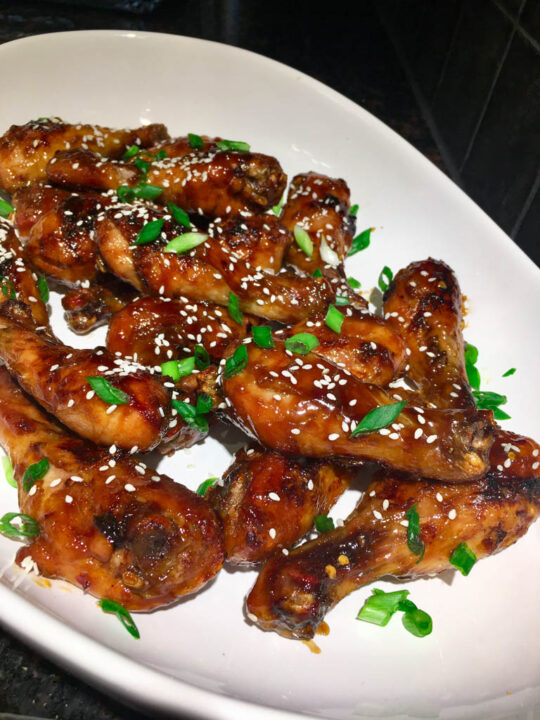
(483, 657)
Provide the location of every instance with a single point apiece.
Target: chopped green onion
(110, 606)
(149, 232)
(323, 523)
(160, 155)
(277, 208)
(28, 527)
(179, 215)
(385, 274)
(417, 622)
(202, 358)
(177, 369)
(354, 283)
(35, 472)
(131, 152)
(499, 414)
(195, 141)
(8, 471)
(108, 392)
(185, 242)
(143, 165)
(204, 403)
(43, 288)
(414, 541)
(234, 309)
(378, 418)
(317, 273)
(190, 415)
(491, 401)
(203, 487)
(342, 300)
(509, 372)
(301, 343)
(334, 319)
(354, 210)
(237, 362)
(262, 336)
(7, 287)
(463, 558)
(360, 242)
(5, 208)
(471, 356)
(379, 607)
(142, 190)
(303, 240)
(233, 145)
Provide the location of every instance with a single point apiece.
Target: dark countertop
(345, 47)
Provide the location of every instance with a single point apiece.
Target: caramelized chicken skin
(129, 535)
(87, 308)
(292, 594)
(268, 502)
(305, 405)
(32, 202)
(26, 149)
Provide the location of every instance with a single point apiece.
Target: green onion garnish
(149, 232)
(203, 487)
(323, 523)
(509, 372)
(160, 155)
(360, 242)
(385, 274)
(191, 415)
(143, 165)
(202, 358)
(342, 300)
(277, 208)
(43, 288)
(195, 141)
(28, 526)
(262, 336)
(131, 152)
(35, 472)
(108, 392)
(414, 541)
(303, 240)
(301, 343)
(5, 208)
(463, 558)
(110, 606)
(8, 471)
(491, 401)
(354, 283)
(177, 369)
(354, 210)
(417, 622)
(471, 356)
(7, 287)
(185, 242)
(233, 145)
(181, 216)
(204, 403)
(378, 418)
(379, 607)
(142, 190)
(334, 319)
(317, 273)
(234, 309)
(237, 362)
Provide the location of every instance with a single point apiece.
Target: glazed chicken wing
(86, 308)
(108, 524)
(305, 405)
(268, 502)
(31, 203)
(26, 149)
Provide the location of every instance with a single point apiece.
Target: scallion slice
(334, 319)
(190, 415)
(317, 273)
(28, 526)
(5, 208)
(110, 606)
(471, 357)
(360, 242)
(262, 336)
(414, 541)
(8, 471)
(143, 166)
(301, 343)
(142, 190)
(236, 145)
(323, 523)
(203, 487)
(463, 558)
(341, 300)
(378, 418)
(417, 622)
(303, 240)
(202, 358)
(354, 210)
(149, 232)
(234, 309)
(509, 372)
(177, 369)
(43, 288)
(185, 242)
(107, 392)
(7, 287)
(277, 208)
(237, 362)
(204, 403)
(354, 283)
(35, 472)
(379, 607)
(195, 141)
(131, 152)
(385, 278)
(181, 216)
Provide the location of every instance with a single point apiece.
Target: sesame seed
(252, 617)
(56, 482)
(405, 523)
(285, 551)
(452, 514)
(90, 394)
(111, 409)
(69, 499)
(535, 465)
(431, 439)
(129, 487)
(272, 533)
(377, 514)
(439, 497)
(333, 436)
(386, 504)
(418, 433)
(33, 490)
(295, 431)
(274, 496)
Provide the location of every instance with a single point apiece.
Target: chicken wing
(107, 524)
(305, 405)
(26, 149)
(268, 502)
(87, 308)
(31, 203)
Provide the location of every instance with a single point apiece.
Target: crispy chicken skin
(268, 502)
(26, 149)
(292, 594)
(16, 279)
(154, 330)
(424, 305)
(31, 203)
(138, 538)
(321, 206)
(56, 376)
(213, 184)
(305, 405)
(87, 308)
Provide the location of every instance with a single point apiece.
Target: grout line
(517, 20)
(526, 206)
(448, 53)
